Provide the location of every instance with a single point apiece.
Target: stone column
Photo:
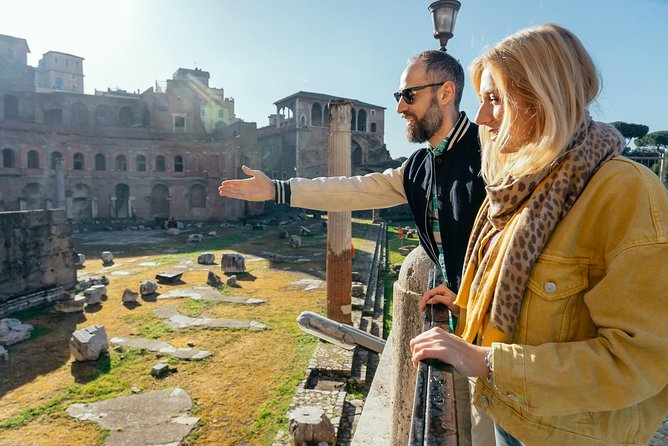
(406, 324)
(339, 234)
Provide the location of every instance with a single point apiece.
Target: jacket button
(484, 400)
(550, 287)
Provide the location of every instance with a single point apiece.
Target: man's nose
(401, 105)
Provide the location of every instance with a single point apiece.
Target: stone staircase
(333, 371)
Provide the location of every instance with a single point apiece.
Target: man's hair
(547, 70)
(442, 67)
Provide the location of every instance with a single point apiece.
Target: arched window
(55, 159)
(78, 161)
(197, 196)
(316, 114)
(141, 163)
(353, 116)
(7, 158)
(361, 121)
(79, 114)
(100, 162)
(33, 159)
(126, 117)
(103, 115)
(160, 163)
(178, 163)
(121, 163)
(373, 127)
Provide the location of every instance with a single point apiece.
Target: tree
(630, 131)
(655, 141)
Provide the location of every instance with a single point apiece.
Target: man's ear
(447, 93)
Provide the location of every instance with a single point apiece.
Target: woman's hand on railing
(468, 359)
(440, 295)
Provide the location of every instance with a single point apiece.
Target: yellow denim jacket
(589, 360)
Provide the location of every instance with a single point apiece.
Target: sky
(264, 50)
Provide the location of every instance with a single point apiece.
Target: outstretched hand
(256, 188)
(440, 295)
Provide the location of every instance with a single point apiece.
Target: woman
(564, 303)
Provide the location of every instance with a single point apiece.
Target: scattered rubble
(233, 263)
(13, 330)
(206, 258)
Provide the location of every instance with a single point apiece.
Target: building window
(353, 119)
(373, 127)
(67, 62)
(55, 159)
(55, 60)
(160, 163)
(178, 163)
(221, 113)
(33, 159)
(100, 162)
(141, 163)
(78, 161)
(121, 163)
(7, 158)
(74, 87)
(373, 113)
(180, 123)
(361, 121)
(59, 83)
(316, 114)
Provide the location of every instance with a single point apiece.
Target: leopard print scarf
(561, 185)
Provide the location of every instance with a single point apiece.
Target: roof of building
(63, 54)
(324, 98)
(15, 40)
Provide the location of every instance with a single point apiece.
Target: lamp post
(444, 13)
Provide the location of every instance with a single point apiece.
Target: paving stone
(153, 418)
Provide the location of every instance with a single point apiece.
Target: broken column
(339, 231)
(310, 425)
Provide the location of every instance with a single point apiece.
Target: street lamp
(444, 13)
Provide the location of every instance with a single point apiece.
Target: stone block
(232, 280)
(129, 296)
(206, 258)
(304, 231)
(173, 231)
(195, 238)
(213, 279)
(107, 258)
(71, 306)
(13, 331)
(308, 425)
(95, 293)
(147, 287)
(169, 278)
(88, 343)
(295, 241)
(233, 263)
(160, 370)
(357, 289)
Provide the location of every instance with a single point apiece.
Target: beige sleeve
(371, 191)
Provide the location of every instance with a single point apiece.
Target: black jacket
(461, 193)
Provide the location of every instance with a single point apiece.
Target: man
(441, 183)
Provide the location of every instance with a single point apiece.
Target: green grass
(272, 414)
(106, 381)
(194, 308)
(154, 329)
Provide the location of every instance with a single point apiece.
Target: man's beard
(420, 130)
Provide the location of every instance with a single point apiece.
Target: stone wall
(35, 253)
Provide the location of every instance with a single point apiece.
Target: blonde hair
(547, 68)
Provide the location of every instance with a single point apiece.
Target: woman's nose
(483, 116)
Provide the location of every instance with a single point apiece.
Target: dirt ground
(241, 393)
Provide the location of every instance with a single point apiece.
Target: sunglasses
(408, 93)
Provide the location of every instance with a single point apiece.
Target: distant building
(116, 154)
(60, 72)
(296, 139)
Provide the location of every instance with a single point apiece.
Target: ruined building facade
(116, 154)
(295, 141)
